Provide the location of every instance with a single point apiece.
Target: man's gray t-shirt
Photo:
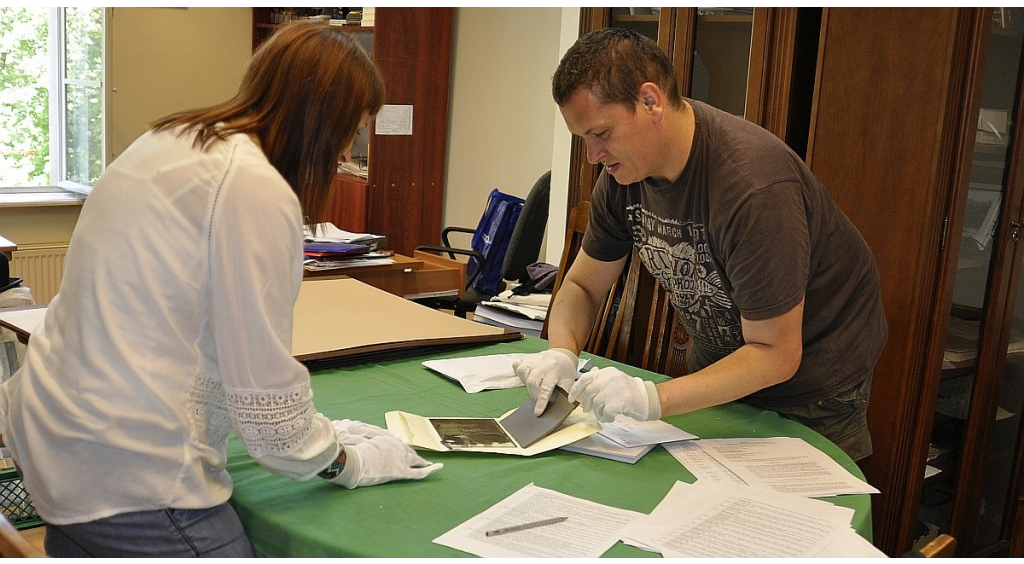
(748, 230)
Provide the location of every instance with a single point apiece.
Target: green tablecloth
(285, 518)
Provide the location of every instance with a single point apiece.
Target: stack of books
(327, 248)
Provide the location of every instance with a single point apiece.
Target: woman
(173, 324)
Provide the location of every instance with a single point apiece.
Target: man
(776, 287)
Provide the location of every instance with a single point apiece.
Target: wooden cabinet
(402, 193)
(909, 118)
(914, 132)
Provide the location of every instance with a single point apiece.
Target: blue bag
(491, 239)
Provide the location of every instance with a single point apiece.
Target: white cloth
(172, 326)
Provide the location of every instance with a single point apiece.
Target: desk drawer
(427, 275)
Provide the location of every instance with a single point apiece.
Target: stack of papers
(782, 464)
(524, 313)
(692, 520)
(730, 521)
(628, 440)
(327, 232)
(366, 259)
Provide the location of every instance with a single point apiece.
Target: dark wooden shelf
(636, 18)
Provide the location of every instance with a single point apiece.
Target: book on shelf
(962, 340)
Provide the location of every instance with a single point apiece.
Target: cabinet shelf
(1007, 32)
(635, 18)
(990, 149)
(728, 18)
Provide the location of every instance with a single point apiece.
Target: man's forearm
(571, 318)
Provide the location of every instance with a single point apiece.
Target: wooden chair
(13, 544)
(637, 324)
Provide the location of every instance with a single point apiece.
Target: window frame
(59, 81)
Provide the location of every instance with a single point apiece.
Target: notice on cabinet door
(394, 119)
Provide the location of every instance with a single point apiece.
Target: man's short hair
(613, 63)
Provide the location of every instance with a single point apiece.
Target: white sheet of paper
(394, 119)
(486, 372)
(729, 521)
(327, 232)
(783, 464)
(630, 432)
(702, 465)
(592, 528)
(851, 545)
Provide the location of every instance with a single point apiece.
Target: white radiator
(42, 267)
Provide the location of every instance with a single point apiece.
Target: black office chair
(522, 250)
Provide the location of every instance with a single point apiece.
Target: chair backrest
(637, 324)
(528, 234)
(13, 544)
(942, 546)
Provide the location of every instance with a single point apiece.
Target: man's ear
(652, 98)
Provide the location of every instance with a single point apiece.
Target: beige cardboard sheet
(343, 316)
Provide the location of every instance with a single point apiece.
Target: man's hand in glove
(607, 392)
(542, 371)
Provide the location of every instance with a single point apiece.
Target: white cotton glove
(347, 427)
(375, 456)
(607, 392)
(542, 371)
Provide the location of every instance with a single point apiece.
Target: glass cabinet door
(981, 389)
(1001, 100)
(721, 57)
(721, 48)
(641, 20)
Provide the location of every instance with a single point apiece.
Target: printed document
(783, 464)
(590, 530)
(707, 520)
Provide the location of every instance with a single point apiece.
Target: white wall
(504, 129)
(167, 59)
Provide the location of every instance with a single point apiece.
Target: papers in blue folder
(327, 250)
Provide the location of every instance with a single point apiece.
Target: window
(51, 98)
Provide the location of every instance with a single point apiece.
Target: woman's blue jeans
(212, 532)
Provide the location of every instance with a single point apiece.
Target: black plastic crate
(15, 501)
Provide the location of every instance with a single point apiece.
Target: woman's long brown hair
(302, 96)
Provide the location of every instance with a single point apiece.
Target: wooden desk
(22, 320)
(422, 276)
(7, 247)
